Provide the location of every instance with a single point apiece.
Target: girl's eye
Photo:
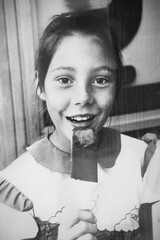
(101, 81)
(65, 81)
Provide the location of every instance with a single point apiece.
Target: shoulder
(133, 147)
(25, 177)
(19, 170)
(25, 168)
(132, 150)
(145, 149)
(23, 162)
(124, 142)
(133, 143)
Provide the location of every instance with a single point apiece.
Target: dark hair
(90, 23)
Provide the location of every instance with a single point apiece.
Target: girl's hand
(80, 225)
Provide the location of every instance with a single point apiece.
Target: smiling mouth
(81, 119)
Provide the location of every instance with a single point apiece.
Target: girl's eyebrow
(63, 68)
(100, 68)
(106, 68)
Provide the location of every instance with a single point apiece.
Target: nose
(82, 95)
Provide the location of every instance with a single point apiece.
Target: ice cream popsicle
(83, 156)
(88, 148)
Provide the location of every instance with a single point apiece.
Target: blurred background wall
(21, 25)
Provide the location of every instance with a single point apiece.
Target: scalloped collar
(46, 154)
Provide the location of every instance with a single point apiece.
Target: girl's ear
(40, 92)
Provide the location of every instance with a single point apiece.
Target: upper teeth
(80, 118)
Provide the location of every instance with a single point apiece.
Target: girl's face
(79, 87)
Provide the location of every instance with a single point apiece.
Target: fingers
(80, 225)
(87, 237)
(79, 215)
(82, 228)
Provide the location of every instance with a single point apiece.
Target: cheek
(56, 105)
(56, 102)
(106, 99)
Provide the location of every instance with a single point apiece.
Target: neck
(61, 142)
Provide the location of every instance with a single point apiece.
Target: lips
(82, 120)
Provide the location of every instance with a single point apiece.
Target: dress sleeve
(151, 140)
(16, 220)
(151, 172)
(12, 197)
(149, 213)
(16, 225)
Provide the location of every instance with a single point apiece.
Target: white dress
(42, 174)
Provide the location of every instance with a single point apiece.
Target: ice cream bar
(83, 156)
(89, 148)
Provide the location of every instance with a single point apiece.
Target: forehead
(75, 47)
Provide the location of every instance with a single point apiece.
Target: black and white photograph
(80, 120)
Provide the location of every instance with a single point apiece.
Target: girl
(78, 76)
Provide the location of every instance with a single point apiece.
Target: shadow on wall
(126, 17)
